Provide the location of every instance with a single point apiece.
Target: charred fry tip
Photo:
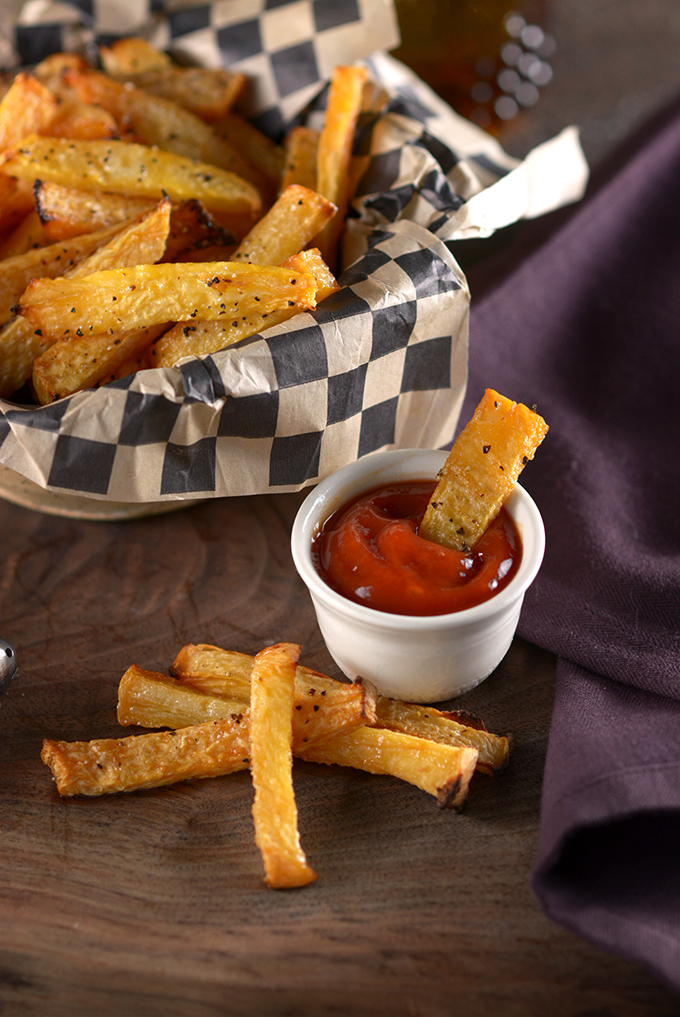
(446, 794)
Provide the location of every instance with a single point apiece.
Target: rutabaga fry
(73, 364)
(256, 147)
(142, 239)
(149, 699)
(129, 168)
(29, 234)
(16, 201)
(441, 770)
(438, 726)
(202, 338)
(271, 733)
(128, 367)
(111, 765)
(311, 261)
(81, 121)
(50, 71)
(210, 667)
(26, 108)
(143, 295)
(291, 223)
(301, 145)
(481, 470)
(216, 672)
(209, 93)
(70, 212)
(335, 151)
(131, 55)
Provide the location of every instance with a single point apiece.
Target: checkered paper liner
(380, 364)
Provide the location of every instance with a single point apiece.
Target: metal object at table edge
(8, 664)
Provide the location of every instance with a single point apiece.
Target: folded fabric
(584, 321)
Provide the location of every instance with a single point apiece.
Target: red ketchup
(370, 552)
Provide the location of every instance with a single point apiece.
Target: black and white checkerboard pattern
(380, 364)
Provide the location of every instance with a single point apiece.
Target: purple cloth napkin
(582, 317)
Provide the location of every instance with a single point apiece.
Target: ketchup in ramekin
(370, 552)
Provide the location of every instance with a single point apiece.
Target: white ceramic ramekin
(418, 659)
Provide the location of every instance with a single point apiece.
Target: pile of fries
(224, 711)
(143, 219)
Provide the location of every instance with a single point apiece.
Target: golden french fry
(154, 120)
(481, 470)
(27, 108)
(148, 699)
(71, 365)
(335, 151)
(294, 219)
(20, 344)
(442, 770)
(209, 668)
(131, 169)
(271, 732)
(131, 55)
(81, 121)
(16, 201)
(254, 145)
(439, 726)
(128, 298)
(81, 361)
(301, 146)
(50, 71)
(202, 338)
(216, 672)
(28, 234)
(207, 93)
(111, 765)
(123, 244)
(130, 366)
(69, 212)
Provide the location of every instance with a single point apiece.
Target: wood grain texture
(152, 903)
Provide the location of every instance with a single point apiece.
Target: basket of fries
(227, 246)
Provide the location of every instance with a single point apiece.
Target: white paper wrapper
(381, 364)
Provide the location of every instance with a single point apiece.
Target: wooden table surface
(153, 902)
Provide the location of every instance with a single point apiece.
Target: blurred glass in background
(489, 59)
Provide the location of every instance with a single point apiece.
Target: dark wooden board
(153, 903)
